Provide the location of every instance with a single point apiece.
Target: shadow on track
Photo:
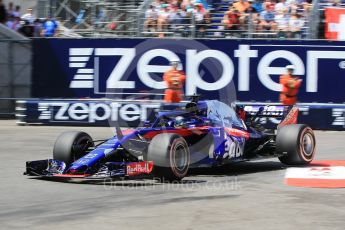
(239, 169)
(235, 169)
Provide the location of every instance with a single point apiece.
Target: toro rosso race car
(182, 136)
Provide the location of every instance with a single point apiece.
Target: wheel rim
(307, 144)
(180, 158)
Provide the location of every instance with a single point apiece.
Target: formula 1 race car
(194, 134)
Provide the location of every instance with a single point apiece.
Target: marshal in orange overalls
(174, 79)
(290, 86)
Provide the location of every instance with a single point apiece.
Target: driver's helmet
(179, 122)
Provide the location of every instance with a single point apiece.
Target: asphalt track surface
(246, 196)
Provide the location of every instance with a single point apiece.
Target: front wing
(57, 169)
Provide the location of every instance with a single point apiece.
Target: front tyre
(71, 145)
(170, 155)
(297, 144)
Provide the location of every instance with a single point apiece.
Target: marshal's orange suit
(174, 80)
(290, 86)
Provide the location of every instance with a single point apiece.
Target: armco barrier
(134, 113)
(116, 68)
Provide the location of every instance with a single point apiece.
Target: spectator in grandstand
(241, 6)
(37, 28)
(13, 23)
(29, 16)
(258, 5)
(10, 9)
(186, 4)
(3, 12)
(175, 18)
(282, 21)
(49, 27)
(27, 29)
(231, 19)
(151, 16)
(281, 7)
(174, 80)
(296, 24)
(282, 18)
(16, 12)
(200, 20)
(157, 4)
(290, 85)
(163, 19)
(294, 6)
(251, 15)
(307, 6)
(267, 19)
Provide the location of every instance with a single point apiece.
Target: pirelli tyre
(296, 143)
(71, 145)
(170, 155)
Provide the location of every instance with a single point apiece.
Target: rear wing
(266, 110)
(283, 115)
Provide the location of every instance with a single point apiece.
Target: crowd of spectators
(285, 18)
(27, 24)
(177, 15)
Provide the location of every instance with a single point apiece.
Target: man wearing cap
(174, 79)
(290, 85)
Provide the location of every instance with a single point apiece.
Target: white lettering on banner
(134, 111)
(312, 63)
(94, 107)
(45, 114)
(78, 114)
(339, 117)
(127, 55)
(342, 65)
(88, 77)
(265, 70)
(194, 79)
(244, 53)
(144, 68)
(93, 112)
(60, 115)
(78, 58)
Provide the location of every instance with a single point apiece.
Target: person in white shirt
(163, 19)
(199, 20)
(296, 24)
(29, 16)
(281, 7)
(151, 16)
(282, 21)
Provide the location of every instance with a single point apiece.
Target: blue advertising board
(246, 70)
(107, 113)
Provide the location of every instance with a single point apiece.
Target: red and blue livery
(182, 136)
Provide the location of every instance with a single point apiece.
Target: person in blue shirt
(257, 5)
(267, 19)
(49, 27)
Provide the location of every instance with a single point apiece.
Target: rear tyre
(70, 146)
(170, 155)
(297, 143)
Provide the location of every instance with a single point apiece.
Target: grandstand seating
(215, 29)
